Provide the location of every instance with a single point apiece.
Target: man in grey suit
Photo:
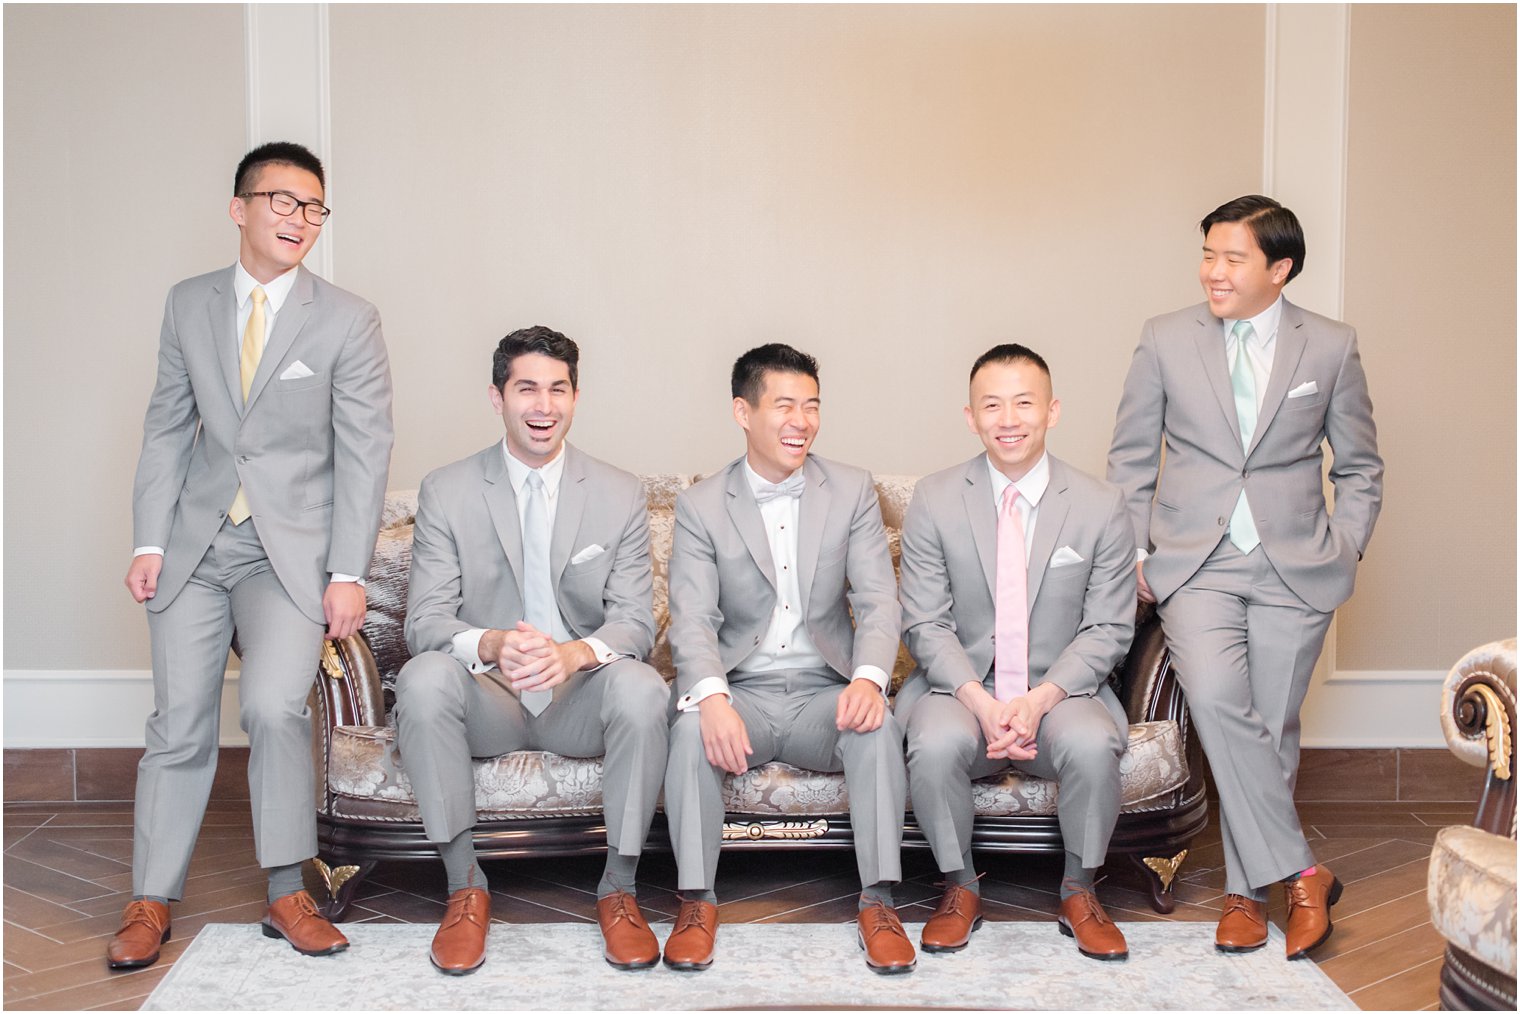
(1015, 631)
(256, 505)
(528, 617)
(773, 556)
(1235, 542)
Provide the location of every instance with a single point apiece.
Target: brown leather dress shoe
(689, 948)
(1309, 901)
(144, 927)
(627, 940)
(295, 919)
(459, 946)
(950, 927)
(1243, 926)
(881, 936)
(1083, 919)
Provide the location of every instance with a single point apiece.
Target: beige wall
(1430, 284)
(122, 128)
(892, 189)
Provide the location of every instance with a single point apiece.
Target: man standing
(528, 616)
(772, 557)
(1015, 631)
(1236, 544)
(256, 506)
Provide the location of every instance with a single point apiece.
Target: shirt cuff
(604, 655)
(703, 690)
(147, 551)
(346, 579)
(466, 648)
(1141, 555)
(874, 674)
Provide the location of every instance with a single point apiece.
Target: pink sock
(1309, 872)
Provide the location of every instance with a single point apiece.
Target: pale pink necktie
(1011, 628)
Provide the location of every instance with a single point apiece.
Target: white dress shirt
(466, 644)
(276, 291)
(785, 644)
(1031, 488)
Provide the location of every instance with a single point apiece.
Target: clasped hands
(1010, 727)
(531, 659)
(860, 708)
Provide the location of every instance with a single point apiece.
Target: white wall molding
(85, 708)
(289, 96)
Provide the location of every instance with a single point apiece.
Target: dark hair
(535, 340)
(1008, 353)
(1276, 228)
(275, 153)
(750, 369)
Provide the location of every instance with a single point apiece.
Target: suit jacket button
(1223, 520)
(242, 459)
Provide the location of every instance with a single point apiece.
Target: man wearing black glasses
(257, 501)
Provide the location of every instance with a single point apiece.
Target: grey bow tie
(792, 487)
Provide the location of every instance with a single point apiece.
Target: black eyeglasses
(283, 204)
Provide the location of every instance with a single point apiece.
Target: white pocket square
(589, 553)
(295, 371)
(1305, 389)
(1065, 557)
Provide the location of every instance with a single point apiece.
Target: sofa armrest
(1148, 686)
(1478, 718)
(349, 683)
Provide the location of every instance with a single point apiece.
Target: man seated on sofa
(771, 557)
(529, 613)
(1018, 600)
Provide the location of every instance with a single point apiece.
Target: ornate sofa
(1472, 868)
(543, 804)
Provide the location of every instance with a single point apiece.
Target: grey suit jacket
(1178, 391)
(467, 556)
(311, 454)
(1081, 615)
(723, 582)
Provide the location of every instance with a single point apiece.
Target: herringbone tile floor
(67, 876)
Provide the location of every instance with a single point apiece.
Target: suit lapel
(1051, 515)
(567, 514)
(501, 502)
(745, 514)
(1291, 342)
(981, 518)
(223, 311)
(1210, 343)
(811, 517)
(287, 325)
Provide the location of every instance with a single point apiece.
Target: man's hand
(996, 719)
(531, 659)
(142, 576)
(861, 707)
(1142, 590)
(724, 737)
(343, 605)
(1023, 716)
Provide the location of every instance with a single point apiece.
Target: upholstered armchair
(535, 803)
(1472, 868)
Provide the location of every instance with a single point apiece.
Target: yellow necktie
(248, 365)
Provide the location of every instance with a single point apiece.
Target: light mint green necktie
(1243, 383)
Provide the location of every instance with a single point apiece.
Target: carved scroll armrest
(1148, 686)
(1478, 718)
(349, 681)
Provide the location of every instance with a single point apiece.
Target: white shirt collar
(757, 482)
(275, 290)
(1031, 487)
(517, 471)
(1264, 323)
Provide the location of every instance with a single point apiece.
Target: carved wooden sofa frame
(540, 804)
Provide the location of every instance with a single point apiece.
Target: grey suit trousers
(1078, 745)
(232, 586)
(1245, 648)
(446, 715)
(789, 715)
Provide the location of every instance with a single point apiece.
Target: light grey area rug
(1020, 965)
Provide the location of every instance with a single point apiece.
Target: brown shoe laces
(139, 911)
(950, 901)
(883, 919)
(466, 907)
(1088, 894)
(690, 917)
(625, 908)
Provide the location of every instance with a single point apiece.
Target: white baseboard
(87, 708)
(106, 708)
